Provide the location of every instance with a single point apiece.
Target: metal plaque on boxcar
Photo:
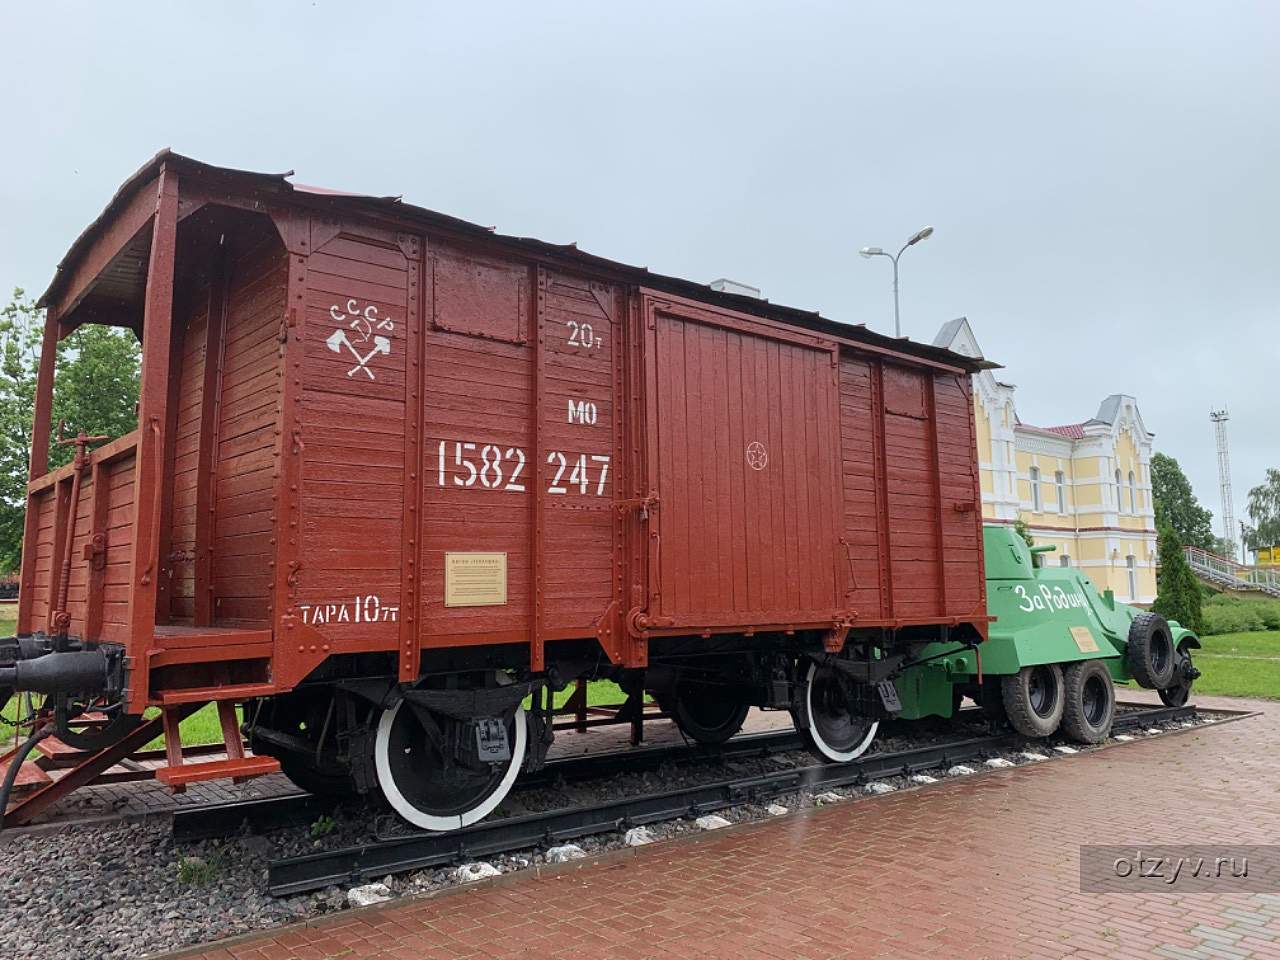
(475, 579)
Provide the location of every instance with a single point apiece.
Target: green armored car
(1054, 651)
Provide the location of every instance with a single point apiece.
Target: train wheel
(704, 712)
(833, 730)
(1089, 704)
(1179, 692)
(431, 778)
(1033, 699)
(302, 773)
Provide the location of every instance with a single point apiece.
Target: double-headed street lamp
(870, 252)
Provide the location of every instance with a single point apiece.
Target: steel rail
(273, 813)
(421, 851)
(264, 814)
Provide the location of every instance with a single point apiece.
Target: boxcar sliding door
(743, 454)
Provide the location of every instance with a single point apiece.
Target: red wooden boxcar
(396, 477)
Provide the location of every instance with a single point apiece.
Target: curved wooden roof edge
(395, 208)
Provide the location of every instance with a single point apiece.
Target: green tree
(1176, 505)
(1021, 529)
(1177, 590)
(1264, 511)
(95, 389)
(19, 357)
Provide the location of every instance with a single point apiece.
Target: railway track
(273, 813)
(421, 851)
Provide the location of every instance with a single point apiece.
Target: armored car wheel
(1089, 705)
(431, 769)
(1033, 699)
(833, 730)
(1177, 693)
(1149, 654)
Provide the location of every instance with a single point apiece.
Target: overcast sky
(1104, 178)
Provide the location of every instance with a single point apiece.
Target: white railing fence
(1227, 573)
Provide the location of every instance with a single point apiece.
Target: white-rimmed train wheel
(425, 790)
(833, 731)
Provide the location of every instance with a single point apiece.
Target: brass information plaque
(475, 579)
(1083, 637)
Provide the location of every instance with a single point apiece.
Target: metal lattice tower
(1220, 418)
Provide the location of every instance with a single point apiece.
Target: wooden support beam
(157, 330)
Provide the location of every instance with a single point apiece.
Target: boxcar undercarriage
(446, 752)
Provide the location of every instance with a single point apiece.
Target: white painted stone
(638, 837)
(1187, 723)
(369, 894)
(959, 770)
(830, 796)
(711, 822)
(471, 872)
(565, 853)
(1153, 731)
(1066, 749)
(879, 787)
(776, 810)
(999, 763)
(922, 778)
(1123, 737)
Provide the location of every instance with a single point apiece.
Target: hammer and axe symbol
(338, 339)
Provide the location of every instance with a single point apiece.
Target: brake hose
(19, 758)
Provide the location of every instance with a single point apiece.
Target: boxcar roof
(277, 186)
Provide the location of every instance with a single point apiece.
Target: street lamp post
(869, 252)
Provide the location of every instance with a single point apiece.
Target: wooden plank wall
(41, 600)
(747, 476)
(353, 462)
(244, 464)
(920, 426)
(576, 448)
(958, 470)
(478, 408)
(859, 435)
(184, 468)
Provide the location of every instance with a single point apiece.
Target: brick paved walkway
(979, 867)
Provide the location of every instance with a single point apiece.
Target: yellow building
(1083, 487)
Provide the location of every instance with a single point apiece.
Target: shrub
(1178, 591)
(1227, 614)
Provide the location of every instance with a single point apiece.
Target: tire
(1150, 655)
(1033, 699)
(1089, 705)
(1178, 692)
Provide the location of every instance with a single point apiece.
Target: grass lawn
(1240, 665)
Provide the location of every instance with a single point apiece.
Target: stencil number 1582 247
(494, 468)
